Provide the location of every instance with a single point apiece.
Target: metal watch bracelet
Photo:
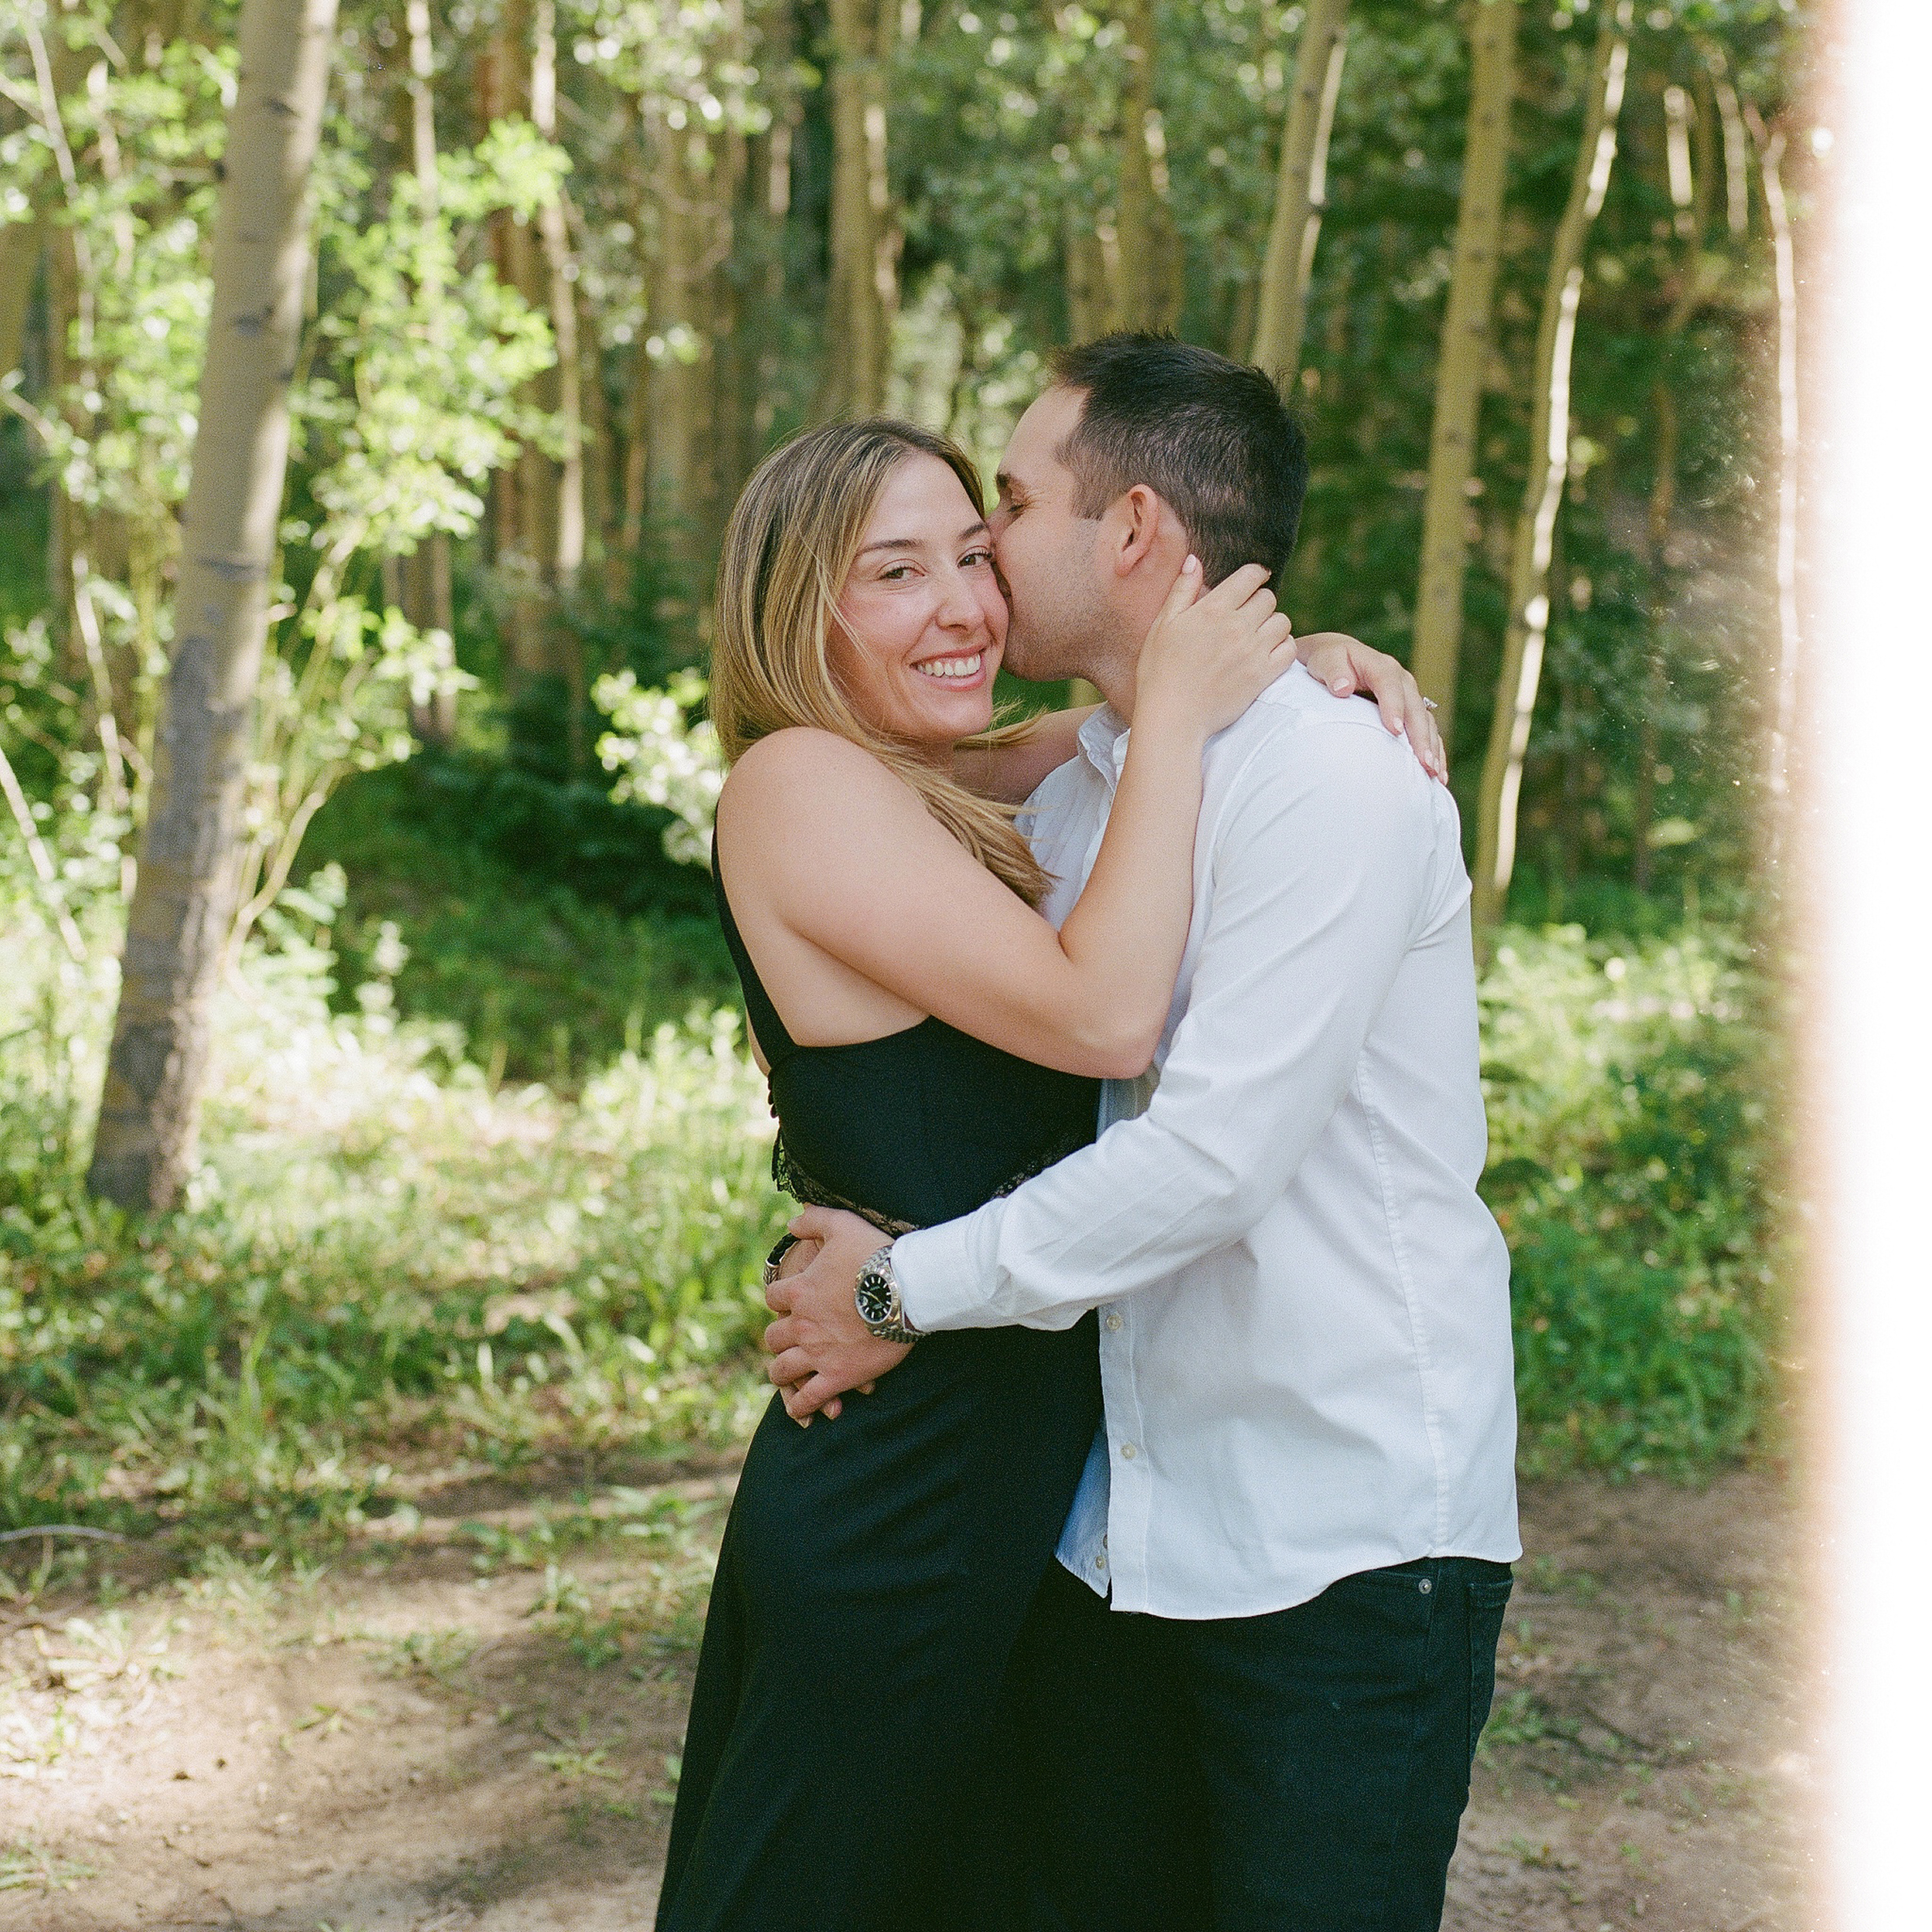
(878, 1284)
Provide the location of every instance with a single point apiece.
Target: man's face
(1045, 550)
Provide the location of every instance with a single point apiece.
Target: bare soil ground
(472, 1724)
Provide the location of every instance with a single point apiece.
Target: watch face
(874, 1297)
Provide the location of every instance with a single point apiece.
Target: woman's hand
(1212, 653)
(1346, 664)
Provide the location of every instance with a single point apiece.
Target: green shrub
(382, 1253)
(536, 916)
(1626, 1092)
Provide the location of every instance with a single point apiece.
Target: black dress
(840, 1770)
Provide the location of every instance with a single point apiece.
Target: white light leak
(1871, 1059)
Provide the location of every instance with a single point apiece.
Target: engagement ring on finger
(1428, 704)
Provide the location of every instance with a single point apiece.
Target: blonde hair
(792, 539)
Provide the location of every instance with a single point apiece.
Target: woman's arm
(836, 867)
(1012, 769)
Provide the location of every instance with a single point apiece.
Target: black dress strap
(777, 1043)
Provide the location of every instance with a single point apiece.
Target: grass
(386, 1257)
(403, 1250)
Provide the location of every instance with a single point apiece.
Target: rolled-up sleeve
(1321, 878)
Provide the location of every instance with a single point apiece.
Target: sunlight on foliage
(380, 1252)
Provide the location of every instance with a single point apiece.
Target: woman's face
(921, 624)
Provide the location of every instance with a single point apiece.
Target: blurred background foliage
(482, 1161)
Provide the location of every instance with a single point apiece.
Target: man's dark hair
(1210, 436)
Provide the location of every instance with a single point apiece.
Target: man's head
(1143, 449)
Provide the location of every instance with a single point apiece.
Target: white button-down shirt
(1305, 1335)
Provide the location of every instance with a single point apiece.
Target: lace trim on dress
(801, 1186)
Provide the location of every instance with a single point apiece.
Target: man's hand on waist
(820, 1349)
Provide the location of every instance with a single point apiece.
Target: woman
(931, 1041)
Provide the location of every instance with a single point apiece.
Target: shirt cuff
(938, 1273)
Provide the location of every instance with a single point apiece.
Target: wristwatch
(875, 1295)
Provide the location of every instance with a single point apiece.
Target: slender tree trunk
(184, 900)
(1777, 776)
(1663, 503)
(1464, 358)
(20, 244)
(1523, 657)
(1146, 291)
(1737, 154)
(1088, 312)
(1300, 191)
(425, 578)
(862, 287)
(525, 500)
(682, 359)
(559, 480)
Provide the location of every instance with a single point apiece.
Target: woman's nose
(958, 608)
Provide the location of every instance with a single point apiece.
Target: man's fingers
(805, 1401)
(781, 1335)
(778, 1296)
(788, 1366)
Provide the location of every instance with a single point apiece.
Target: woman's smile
(962, 674)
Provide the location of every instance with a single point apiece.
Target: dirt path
(473, 1726)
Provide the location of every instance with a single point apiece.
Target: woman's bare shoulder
(801, 777)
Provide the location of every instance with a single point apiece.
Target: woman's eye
(975, 557)
(898, 573)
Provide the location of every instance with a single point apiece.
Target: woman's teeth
(951, 668)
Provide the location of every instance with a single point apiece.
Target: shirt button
(1425, 1586)
(1099, 1563)
(1129, 1451)
(1113, 1324)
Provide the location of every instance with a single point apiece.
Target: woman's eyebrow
(914, 543)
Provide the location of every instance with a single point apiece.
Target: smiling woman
(929, 609)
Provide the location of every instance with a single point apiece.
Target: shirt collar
(1103, 741)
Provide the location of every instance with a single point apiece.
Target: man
(1303, 1508)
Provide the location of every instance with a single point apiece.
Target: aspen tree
(1300, 190)
(556, 483)
(185, 893)
(20, 244)
(1463, 359)
(426, 590)
(1089, 312)
(682, 336)
(1145, 273)
(521, 526)
(1770, 144)
(1522, 669)
(1690, 186)
(862, 290)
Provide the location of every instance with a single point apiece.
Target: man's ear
(1133, 529)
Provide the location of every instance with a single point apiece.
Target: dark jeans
(1304, 1771)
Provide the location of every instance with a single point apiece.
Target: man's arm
(1324, 877)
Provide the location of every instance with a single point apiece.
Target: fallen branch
(61, 1529)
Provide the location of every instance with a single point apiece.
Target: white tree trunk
(184, 900)
(1465, 359)
(1300, 190)
(1523, 656)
